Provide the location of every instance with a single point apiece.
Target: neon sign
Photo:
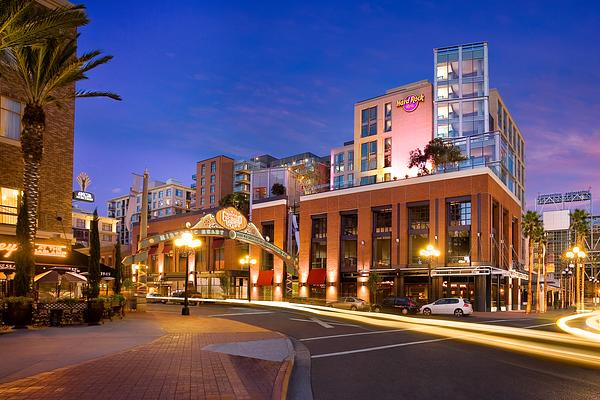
(41, 249)
(410, 103)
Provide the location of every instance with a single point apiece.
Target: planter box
(94, 312)
(19, 314)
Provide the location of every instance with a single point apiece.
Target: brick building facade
(346, 235)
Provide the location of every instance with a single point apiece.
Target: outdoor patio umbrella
(58, 276)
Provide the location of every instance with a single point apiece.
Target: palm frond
(50, 70)
(86, 93)
(23, 24)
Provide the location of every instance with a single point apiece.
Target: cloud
(116, 190)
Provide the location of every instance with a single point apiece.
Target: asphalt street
(351, 360)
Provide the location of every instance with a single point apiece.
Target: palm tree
(25, 23)
(94, 260)
(580, 226)
(48, 73)
(539, 238)
(531, 222)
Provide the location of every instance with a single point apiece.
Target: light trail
(591, 321)
(583, 350)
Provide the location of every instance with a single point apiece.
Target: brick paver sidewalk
(171, 367)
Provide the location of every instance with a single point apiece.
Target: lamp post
(247, 261)
(187, 241)
(429, 252)
(578, 255)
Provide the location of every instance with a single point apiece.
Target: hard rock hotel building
(378, 214)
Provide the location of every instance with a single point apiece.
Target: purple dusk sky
(246, 78)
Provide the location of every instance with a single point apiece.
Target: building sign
(231, 219)
(410, 103)
(83, 196)
(41, 249)
(7, 266)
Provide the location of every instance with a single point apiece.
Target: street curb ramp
(282, 381)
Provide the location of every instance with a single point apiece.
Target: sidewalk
(195, 358)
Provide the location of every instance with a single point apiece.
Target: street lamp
(429, 252)
(247, 261)
(578, 255)
(187, 241)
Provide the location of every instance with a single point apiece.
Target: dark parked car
(396, 305)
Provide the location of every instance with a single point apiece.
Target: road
(356, 360)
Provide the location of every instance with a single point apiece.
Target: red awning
(265, 278)
(153, 250)
(167, 248)
(217, 243)
(316, 276)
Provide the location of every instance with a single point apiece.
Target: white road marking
(242, 313)
(322, 323)
(389, 346)
(352, 334)
(315, 320)
(536, 326)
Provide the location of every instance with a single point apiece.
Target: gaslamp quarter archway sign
(226, 223)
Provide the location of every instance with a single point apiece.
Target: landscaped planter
(95, 310)
(19, 312)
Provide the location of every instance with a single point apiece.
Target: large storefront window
(382, 238)
(418, 231)
(348, 240)
(459, 232)
(318, 245)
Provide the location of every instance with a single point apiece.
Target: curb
(282, 381)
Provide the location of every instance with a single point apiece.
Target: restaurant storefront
(49, 254)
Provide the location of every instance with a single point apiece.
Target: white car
(449, 306)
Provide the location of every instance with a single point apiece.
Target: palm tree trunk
(537, 285)
(529, 294)
(544, 302)
(32, 147)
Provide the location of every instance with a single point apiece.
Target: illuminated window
(387, 152)
(10, 118)
(368, 156)
(368, 122)
(9, 206)
(388, 117)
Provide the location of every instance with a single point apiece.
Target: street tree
(94, 261)
(24, 260)
(118, 270)
(529, 225)
(48, 73)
